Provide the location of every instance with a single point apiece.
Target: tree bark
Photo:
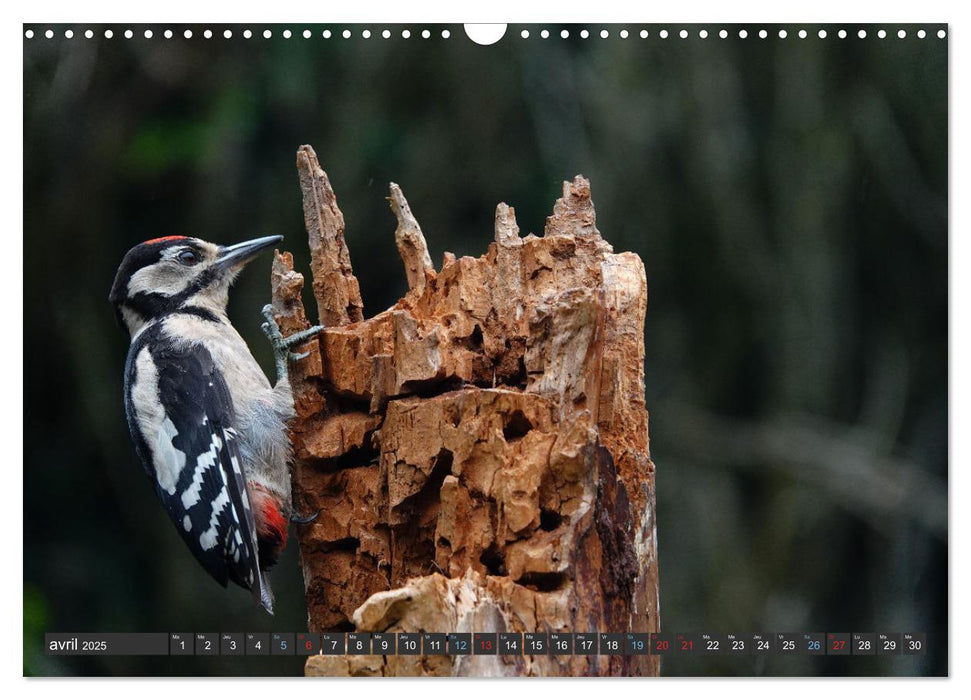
(479, 451)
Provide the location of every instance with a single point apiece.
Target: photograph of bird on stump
(363, 462)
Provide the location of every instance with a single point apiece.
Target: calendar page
(530, 349)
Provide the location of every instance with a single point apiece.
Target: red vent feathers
(274, 525)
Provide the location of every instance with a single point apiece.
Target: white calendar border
(817, 11)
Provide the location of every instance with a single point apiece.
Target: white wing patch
(169, 461)
(206, 461)
(144, 395)
(154, 424)
(208, 539)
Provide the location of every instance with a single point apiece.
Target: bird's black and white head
(178, 273)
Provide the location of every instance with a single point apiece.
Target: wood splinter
(335, 286)
(507, 230)
(411, 242)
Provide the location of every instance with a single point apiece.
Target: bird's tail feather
(262, 592)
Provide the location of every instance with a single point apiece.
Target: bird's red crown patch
(163, 239)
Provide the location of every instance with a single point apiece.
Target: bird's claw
(301, 336)
(304, 519)
(271, 329)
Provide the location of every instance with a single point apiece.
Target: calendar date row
(556, 643)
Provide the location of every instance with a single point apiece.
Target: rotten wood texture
(479, 451)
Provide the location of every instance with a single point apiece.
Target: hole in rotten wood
(564, 248)
(444, 542)
(429, 388)
(453, 414)
(517, 376)
(522, 370)
(549, 520)
(363, 456)
(493, 561)
(345, 544)
(341, 401)
(475, 340)
(344, 626)
(543, 582)
(517, 425)
(428, 495)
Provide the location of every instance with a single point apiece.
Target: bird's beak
(235, 256)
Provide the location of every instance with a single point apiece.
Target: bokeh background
(789, 200)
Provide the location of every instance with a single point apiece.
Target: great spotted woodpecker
(207, 425)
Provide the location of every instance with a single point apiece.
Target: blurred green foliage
(36, 620)
(789, 199)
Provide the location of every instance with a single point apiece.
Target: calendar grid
(488, 643)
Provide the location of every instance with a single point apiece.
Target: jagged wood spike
(507, 230)
(335, 286)
(411, 243)
(287, 286)
(573, 213)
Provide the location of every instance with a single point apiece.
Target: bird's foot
(304, 519)
(281, 345)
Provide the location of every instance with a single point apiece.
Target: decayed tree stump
(479, 450)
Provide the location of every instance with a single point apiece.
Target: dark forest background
(789, 200)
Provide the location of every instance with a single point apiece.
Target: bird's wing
(195, 461)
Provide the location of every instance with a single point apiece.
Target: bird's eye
(188, 257)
